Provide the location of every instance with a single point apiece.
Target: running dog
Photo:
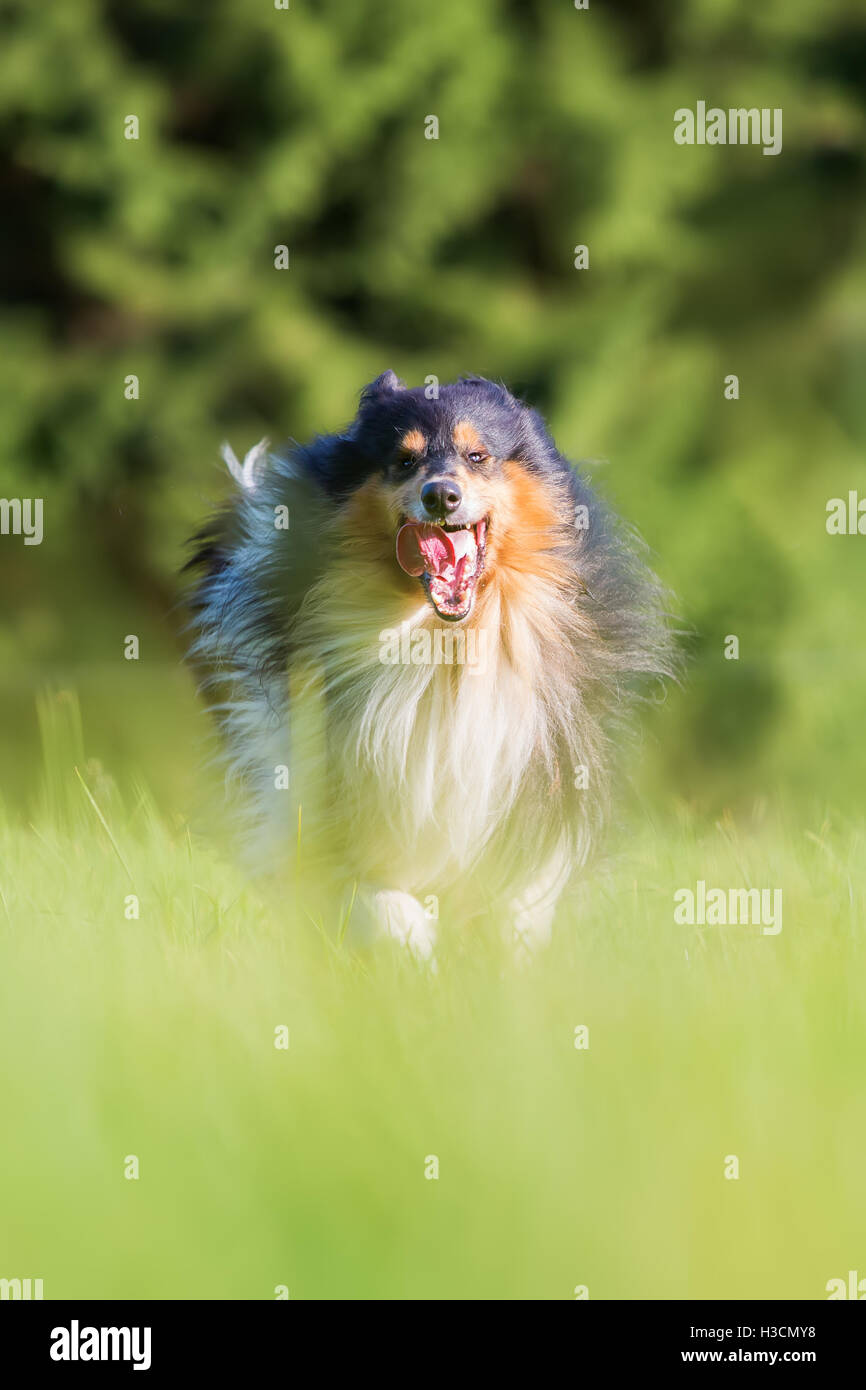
(476, 626)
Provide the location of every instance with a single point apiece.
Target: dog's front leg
(531, 912)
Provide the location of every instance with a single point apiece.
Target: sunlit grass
(558, 1167)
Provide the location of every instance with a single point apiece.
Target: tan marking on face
(466, 438)
(526, 523)
(525, 572)
(413, 442)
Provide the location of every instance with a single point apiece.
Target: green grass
(557, 1167)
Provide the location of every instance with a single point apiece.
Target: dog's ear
(388, 384)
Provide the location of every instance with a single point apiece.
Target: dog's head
(460, 482)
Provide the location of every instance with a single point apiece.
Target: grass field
(558, 1166)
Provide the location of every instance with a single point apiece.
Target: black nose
(441, 496)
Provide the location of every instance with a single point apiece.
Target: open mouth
(448, 560)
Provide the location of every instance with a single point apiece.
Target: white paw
(402, 917)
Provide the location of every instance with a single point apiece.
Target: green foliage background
(306, 127)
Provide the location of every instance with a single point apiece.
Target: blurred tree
(305, 127)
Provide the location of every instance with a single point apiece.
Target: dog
(473, 625)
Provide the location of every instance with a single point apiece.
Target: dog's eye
(408, 461)
(477, 457)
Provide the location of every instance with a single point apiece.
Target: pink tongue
(422, 547)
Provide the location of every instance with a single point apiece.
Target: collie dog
(473, 624)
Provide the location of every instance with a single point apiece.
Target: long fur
(429, 777)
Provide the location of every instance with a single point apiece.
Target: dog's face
(442, 491)
(462, 483)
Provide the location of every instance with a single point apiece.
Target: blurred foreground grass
(558, 1167)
